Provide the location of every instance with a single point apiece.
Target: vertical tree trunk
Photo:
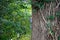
(38, 27)
(39, 23)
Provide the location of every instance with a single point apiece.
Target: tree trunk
(40, 31)
(38, 27)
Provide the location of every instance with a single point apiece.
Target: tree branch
(57, 5)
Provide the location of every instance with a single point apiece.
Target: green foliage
(51, 17)
(14, 18)
(59, 37)
(58, 14)
(38, 5)
(48, 24)
(52, 32)
(25, 37)
(50, 28)
(49, 1)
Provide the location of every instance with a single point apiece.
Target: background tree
(14, 19)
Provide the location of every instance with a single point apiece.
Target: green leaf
(49, 1)
(59, 37)
(51, 17)
(58, 13)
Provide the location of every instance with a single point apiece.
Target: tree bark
(38, 27)
(39, 22)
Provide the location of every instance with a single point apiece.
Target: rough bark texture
(39, 22)
(38, 29)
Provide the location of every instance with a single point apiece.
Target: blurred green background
(15, 19)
